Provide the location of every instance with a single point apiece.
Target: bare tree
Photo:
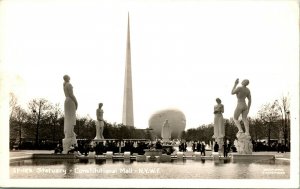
(13, 103)
(39, 108)
(17, 121)
(53, 115)
(17, 118)
(257, 128)
(269, 116)
(283, 106)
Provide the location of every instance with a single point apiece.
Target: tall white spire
(128, 99)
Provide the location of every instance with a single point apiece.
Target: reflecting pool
(120, 169)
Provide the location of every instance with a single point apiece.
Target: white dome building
(176, 120)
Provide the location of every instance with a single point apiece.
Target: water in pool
(188, 169)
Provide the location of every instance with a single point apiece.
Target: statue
(99, 122)
(166, 131)
(242, 109)
(219, 128)
(70, 107)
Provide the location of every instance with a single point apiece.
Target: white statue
(99, 122)
(219, 129)
(242, 108)
(166, 131)
(70, 107)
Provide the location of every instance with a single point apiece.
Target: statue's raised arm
(234, 89)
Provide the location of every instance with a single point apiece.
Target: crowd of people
(198, 147)
(84, 147)
(274, 146)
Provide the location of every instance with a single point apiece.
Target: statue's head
(245, 82)
(66, 78)
(218, 100)
(100, 105)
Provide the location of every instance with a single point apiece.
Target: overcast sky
(184, 54)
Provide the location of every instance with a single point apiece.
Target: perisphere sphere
(175, 117)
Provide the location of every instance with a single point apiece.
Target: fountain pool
(120, 169)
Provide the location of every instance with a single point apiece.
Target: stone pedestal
(179, 155)
(165, 158)
(197, 155)
(109, 155)
(220, 141)
(67, 143)
(244, 143)
(127, 155)
(216, 155)
(153, 152)
(92, 155)
(140, 158)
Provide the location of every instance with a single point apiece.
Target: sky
(184, 54)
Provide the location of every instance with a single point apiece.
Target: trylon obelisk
(127, 99)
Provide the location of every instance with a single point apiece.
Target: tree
(13, 103)
(257, 129)
(18, 118)
(283, 106)
(17, 121)
(85, 128)
(39, 108)
(53, 116)
(230, 129)
(269, 116)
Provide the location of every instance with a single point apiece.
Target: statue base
(99, 138)
(244, 143)
(67, 143)
(220, 141)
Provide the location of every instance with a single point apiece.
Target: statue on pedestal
(219, 128)
(70, 107)
(99, 122)
(244, 146)
(166, 131)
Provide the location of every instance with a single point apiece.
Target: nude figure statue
(242, 107)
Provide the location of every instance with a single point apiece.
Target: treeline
(43, 121)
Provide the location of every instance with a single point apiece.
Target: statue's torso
(243, 92)
(99, 114)
(218, 108)
(67, 88)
